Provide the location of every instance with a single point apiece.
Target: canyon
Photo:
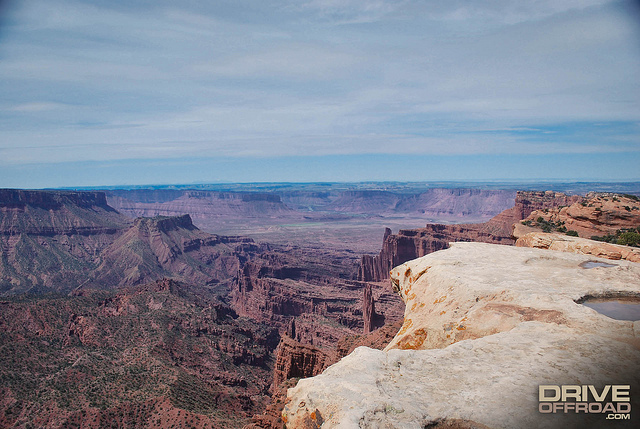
(345, 217)
(415, 243)
(155, 288)
(82, 281)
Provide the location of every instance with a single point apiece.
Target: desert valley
(201, 307)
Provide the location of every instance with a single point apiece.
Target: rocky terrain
(596, 215)
(101, 267)
(583, 246)
(92, 276)
(411, 244)
(163, 354)
(484, 326)
(308, 288)
(50, 240)
(172, 247)
(60, 241)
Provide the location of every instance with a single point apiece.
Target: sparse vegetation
(104, 360)
(547, 225)
(625, 237)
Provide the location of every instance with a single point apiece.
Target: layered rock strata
(153, 248)
(59, 241)
(412, 244)
(296, 284)
(597, 215)
(565, 243)
(297, 360)
(484, 326)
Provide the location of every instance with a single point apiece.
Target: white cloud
(38, 106)
(87, 82)
(291, 60)
(350, 11)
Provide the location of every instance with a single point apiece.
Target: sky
(138, 92)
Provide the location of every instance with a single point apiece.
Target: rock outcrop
(49, 240)
(154, 248)
(565, 243)
(412, 244)
(598, 214)
(372, 320)
(48, 213)
(297, 360)
(315, 290)
(484, 326)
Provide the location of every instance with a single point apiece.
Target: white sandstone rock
(485, 325)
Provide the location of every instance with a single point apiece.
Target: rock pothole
(619, 307)
(596, 264)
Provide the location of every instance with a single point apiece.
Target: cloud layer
(115, 80)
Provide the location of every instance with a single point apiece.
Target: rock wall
(48, 213)
(412, 244)
(316, 290)
(370, 318)
(297, 360)
(59, 241)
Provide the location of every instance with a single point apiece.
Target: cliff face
(484, 326)
(51, 239)
(153, 248)
(48, 213)
(52, 200)
(297, 360)
(372, 320)
(314, 288)
(59, 241)
(412, 244)
(205, 207)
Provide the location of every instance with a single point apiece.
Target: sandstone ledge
(484, 326)
(584, 246)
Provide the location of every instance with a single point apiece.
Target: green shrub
(629, 238)
(572, 233)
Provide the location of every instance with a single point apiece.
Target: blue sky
(142, 92)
